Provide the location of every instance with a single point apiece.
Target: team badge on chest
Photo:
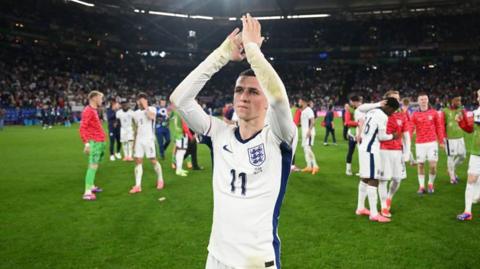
(256, 155)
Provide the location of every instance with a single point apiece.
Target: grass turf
(45, 224)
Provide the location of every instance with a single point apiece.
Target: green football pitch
(45, 224)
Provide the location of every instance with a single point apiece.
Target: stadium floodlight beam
(232, 19)
(308, 16)
(82, 3)
(200, 17)
(264, 18)
(168, 14)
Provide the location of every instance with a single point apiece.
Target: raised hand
(236, 46)
(251, 31)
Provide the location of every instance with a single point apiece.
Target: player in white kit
(125, 116)
(251, 161)
(144, 119)
(374, 131)
(307, 122)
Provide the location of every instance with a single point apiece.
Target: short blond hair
(390, 93)
(93, 94)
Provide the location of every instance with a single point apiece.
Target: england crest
(256, 155)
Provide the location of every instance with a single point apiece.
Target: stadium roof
(233, 8)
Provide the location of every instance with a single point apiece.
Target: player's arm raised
(183, 97)
(281, 119)
(364, 108)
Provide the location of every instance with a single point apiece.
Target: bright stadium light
(308, 16)
(232, 19)
(269, 18)
(201, 17)
(82, 3)
(168, 14)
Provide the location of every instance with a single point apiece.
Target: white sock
(372, 200)
(179, 159)
(469, 193)
(476, 190)
(431, 178)
(158, 169)
(130, 149)
(349, 167)
(421, 181)
(312, 157)
(138, 175)
(308, 158)
(383, 193)
(393, 188)
(362, 194)
(125, 148)
(451, 166)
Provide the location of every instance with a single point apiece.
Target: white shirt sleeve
(280, 117)
(382, 127)
(364, 108)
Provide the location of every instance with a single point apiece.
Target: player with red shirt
(93, 137)
(429, 130)
(393, 154)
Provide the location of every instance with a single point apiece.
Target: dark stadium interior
(57, 51)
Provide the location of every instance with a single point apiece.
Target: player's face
(388, 110)
(301, 103)
(457, 102)
(249, 100)
(163, 103)
(423, 101)
(125, 106)
(98, 100)
(142, 103)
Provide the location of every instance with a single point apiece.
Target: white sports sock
(451, 166)
(372, 200)
(349, 167)
(421, 181)
(312, 157)
(476, 190)
(179, 159)
(431, 178)
(469, 193)
(308, 159)
(383, 192)
(130, 149)
(362, 194)
(138, 175)
(393, 188)
(158, 169)
(125, 148)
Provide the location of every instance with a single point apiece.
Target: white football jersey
(249, 182)
(305, 117)
(125, 118)
(145, 126)
(375, 120)
(358, 116)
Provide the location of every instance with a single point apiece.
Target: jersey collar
(239, 137)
